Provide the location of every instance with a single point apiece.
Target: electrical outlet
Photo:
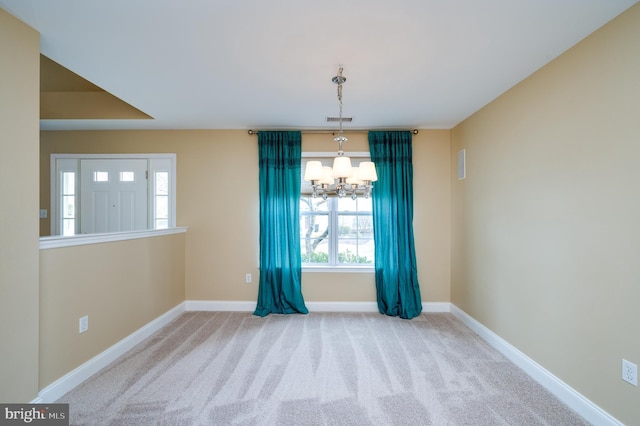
(84, 324)
(629, 372)
(247, 278)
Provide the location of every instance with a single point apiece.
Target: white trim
(57, 241)
(433, 307)
(569, 396)
(74, 378)
(118, 156)
(220, 305)
(427, 307)
(54, 227)
(342, 306)
(249, 306)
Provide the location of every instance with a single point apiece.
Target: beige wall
(546, 236)
(217, 198)
(19, 65)
(121, 286)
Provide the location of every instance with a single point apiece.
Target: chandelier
(343, 178)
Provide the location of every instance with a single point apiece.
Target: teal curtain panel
(280, 288)
(397, 289)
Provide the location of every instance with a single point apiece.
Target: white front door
(113, 195)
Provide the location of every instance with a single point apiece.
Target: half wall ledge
(58, 241)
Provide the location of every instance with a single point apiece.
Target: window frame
(333, 221)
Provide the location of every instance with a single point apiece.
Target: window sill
(58, 241)
(339, 269)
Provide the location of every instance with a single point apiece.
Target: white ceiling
(225, 64)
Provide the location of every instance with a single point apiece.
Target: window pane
(315, 251)
(101, 176)
(347, 225)
(310, 204)
(162, 183)
(68, 183)
(127, 176)
(366, 249)
(68, 227)
(162, 207)
(355, 251)
(346, 204)
(355, 239)
(360, 204)
(162, 223)
(364, 204)
(365, 226)
(69, 206)
(314, 238)
(314, 226)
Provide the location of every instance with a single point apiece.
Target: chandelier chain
(340, 138)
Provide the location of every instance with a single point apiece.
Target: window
(101, 176)
(336, 232)
(127, 176)
(161, 200)
(68, 202)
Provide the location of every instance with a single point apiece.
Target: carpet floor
(233, 368)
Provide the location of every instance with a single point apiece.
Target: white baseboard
(433, 307)
(248, 306)
(572, 398)
(342, 306)
(368, 306)
(72, 379)
(220, 305)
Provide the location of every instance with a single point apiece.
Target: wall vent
(337, 119)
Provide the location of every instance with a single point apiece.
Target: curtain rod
(320, 131)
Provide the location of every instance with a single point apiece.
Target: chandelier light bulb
(313, 171)
(327, 176)
(355, 179)
(342, 167)
(367, 171)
